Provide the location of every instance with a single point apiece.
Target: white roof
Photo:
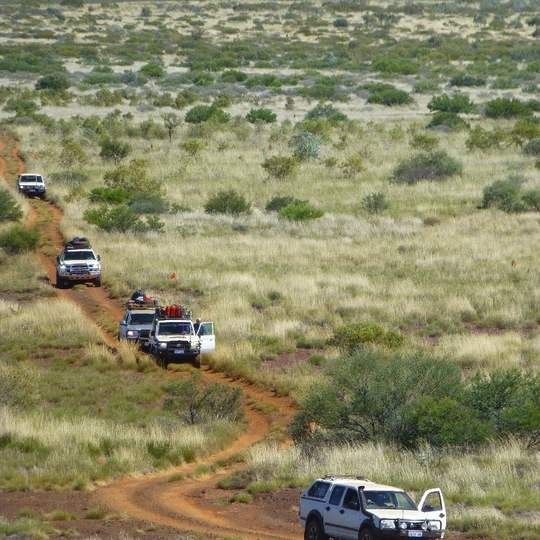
(142, 310)
(356, 483)
(30, 174)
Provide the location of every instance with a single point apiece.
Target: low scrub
(9, 209)
(305, 146)
(206, 113)
(506, 108)
(121, 219)
(447, 121)
(356, 335)
(280, 167)
(463, 79)
(375, 203)
(434, 166)
(456, 103)
(389, 95)
(508, 195)
(227, 202)
(300, 211)
(264, 116)
(18, 239)
(275, 204)
(484, 140)
(532, 148)
(327, 112)
(110, 195)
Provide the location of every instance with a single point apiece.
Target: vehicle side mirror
(99, 257)
(58, 258)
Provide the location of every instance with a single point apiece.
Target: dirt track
(152, 497)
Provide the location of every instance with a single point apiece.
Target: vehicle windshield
(31, 179)
(79, 256)
(173, 328)
(393, 500)
(141, 318)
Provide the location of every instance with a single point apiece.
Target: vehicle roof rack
(78, 242)
(345, 476)
(146, 304)
(173, 311)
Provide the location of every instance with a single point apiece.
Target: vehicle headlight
(63, 267)
(387, 524)
(424, 526)
(434, 525)
(133, 333)
(403, 525)
(163, 345)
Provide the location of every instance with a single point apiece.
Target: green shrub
(532, 148)
(447, 121)
(232, 76)
(9, 209)
(227, 202)
(352, 165)
(154, 71)
(426, 166)
(326, 112)
(21, 106)
(148, 203)
(109, 195)
(482, 139)
(389, 96)
(275, 204)
(341, 23)
(55, 81)
(72, 154)
(115, 219)
(456, 103)
(185, 98)
(524, 130)
(463, 79)
(133, 178)
(355, 335)
(18, 239)
(300, 211)
(265, 116)
(395, 66)
(114, 150)
(280, 167)
(508, 195)
(506, 108)
(243, 497)
(206, 113)
(375, 202)
(305, 145)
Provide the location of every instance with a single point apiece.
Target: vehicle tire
(60, 284)
(196, 361)
(97, 282)
(314, 530)
(366, 533)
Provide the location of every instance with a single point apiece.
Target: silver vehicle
(78, 263)
(136, 324)
(31, 184)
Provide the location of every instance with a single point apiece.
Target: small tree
(456, 103)
(56, 82)
(133, 178)
(375, 203)
(171, 123)
(153, 70)
(114, 150)
(72, 154)
(265, 116)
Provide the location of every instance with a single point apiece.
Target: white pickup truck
(31, 184)
(177, 340)
(351, 508)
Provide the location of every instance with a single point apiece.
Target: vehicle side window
(319, 490)
(432, 502)
(337, 494)
(351, 501)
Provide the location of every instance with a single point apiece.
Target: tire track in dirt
(152, 497)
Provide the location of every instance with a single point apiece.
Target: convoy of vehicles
(31, 184)
(78, 263)
(353, 508)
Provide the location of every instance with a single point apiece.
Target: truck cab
(351, 508)
(78, 263)
(31, 184)
(177, 339)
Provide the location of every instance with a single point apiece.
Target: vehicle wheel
(314, 530)
(97, 282)
(366, 534)
(196, 361)
(59, 282)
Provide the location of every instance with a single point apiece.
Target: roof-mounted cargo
(78, 242)
(173, 311)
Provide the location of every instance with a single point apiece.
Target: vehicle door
(350, 514)
(332, 517)
(122, 332)
(207, 337)
(432, 504)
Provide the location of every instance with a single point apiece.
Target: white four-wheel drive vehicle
(344, 507)
(177, 339)
(136, 324)
(78, 263)
(31, 184)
